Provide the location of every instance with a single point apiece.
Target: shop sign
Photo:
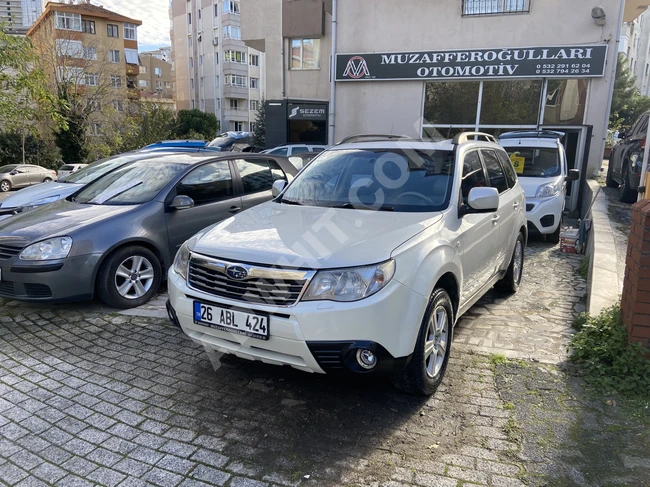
(306, 111)
(530, 62)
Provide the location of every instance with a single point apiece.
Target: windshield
(130, 185)
(533, 162)
(7, 169)
(96, 170)
(391, 180)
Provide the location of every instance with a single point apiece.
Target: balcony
(239, 114)
(232, 91)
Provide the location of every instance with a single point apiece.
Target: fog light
(366, 359)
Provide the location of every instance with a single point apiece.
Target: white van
(540, 161)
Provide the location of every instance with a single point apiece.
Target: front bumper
(69, 279)
(544, 215)
(314, 336)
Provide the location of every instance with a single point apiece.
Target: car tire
(610, 182)
(511, 281)
(129, 277)
(554, 237)
(47, 180)
(5, 186)
(626, 195)
(425, 371)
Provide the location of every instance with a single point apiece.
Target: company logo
(294, 112)
(356, 68)
(237, 272)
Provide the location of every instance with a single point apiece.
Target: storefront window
(510, 102)
(451, 102)
(565, 101)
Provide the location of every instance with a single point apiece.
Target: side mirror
(278, 187)
(573, 175)
(13, 173)
(482, 200)
(622, 134)
(182, 202)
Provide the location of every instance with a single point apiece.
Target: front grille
(7, 289)
(7, 251)
(530, 206)
(209, 276)
(38, 291)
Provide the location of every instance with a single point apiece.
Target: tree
(31, 148)
(627, 103)
(259, 133)
(196, 122)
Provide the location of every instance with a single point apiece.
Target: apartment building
(155, 80)
(92, 53)
(19, 15)
(162, 53)
(214, 71)
(635, 45)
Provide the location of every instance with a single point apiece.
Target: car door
(479, 231)
(21, 178)
(502, 178)
(257, 177)
(629, 144)
(211, 187)
(36, 174)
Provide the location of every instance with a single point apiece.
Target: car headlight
(181, 261)
(42, 201)
(53, 248)
(349, 284)
(550, 189)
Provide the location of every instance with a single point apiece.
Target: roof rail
(540, 134)
(464, 137)
(372, 137)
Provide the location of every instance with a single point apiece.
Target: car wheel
(626, 195)
(47, 180)
(5, 186)
(429, 361)
(609, 180)
(511, 281)
(129, 277)
(554, 237)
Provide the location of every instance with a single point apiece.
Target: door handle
(495, 219)
(234, 209)
(516, 204)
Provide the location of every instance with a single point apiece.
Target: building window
(254, 60)
(92, 79)
(202, 104)
(200, 59)
(198, 13)
(216, 58)
(118, 105)
(189, 18)
(130, 32)
(201, 82)
(238, 126)
(193, 105)
(231, 32)
(159, 85)
(90, 53)
(143, 83)
(566, 100)
(71, 75)
(191, 83)
(157, 72)
(191, 62)
(216, 10)
(514, 102)
(95, 129)
(231, 7)
(116, 81)
(143, 70)
(254, 105)
(252, 126)
(168, 84)
(305, 53)
(235, 57)
(216, 81)
(114, 56)
(255, 83)
(189, 41)
(88, 26)
(65, 47)
(234, 104)
(495, 7)
(112, 30)
(67, 21)
(131, 56)
(236, 80)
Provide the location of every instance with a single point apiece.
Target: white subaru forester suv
(363, 263)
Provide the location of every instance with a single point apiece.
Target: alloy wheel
(517, 263)
(4, 186)
(435, 346)
(134, 277)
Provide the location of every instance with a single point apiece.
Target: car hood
(308, 236)
(530, 185)
(44, 190)
(57, 219)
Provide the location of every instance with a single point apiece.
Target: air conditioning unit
(215, 41)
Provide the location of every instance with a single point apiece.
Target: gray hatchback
(117, 236)
(14, 176)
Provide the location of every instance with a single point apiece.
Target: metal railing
(495, 7)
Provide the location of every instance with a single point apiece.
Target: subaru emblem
(237, 272)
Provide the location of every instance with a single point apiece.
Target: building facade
(19, 15)
(92, 53)
(214, 71)
(155, 81)
(436, 68)
(162, 53)
(635, 45)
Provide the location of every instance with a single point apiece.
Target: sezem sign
(529, 62)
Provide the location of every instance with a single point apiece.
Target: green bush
(608, 360)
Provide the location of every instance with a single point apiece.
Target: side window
(473, 174)
(495, 171)
(511, 175)
(207, 183)
(276, 171)
(256, 175)
(280, 152)
(299, 149)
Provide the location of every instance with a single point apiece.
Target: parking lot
(89, 396)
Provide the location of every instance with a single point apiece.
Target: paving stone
(104, 457)
(209, 458)
(146, 455)
(179, 449)
(48, 472)
(431, 480)
(105, 476)
(11, 474)
(243, 482)
(163, 478)
(74, 481)
(210, 475)
(498, 481)
(175, 464)
(79, 466)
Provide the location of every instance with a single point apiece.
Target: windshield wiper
(290, 202)
(350, 206)
(115, 194)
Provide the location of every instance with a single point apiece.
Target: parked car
(626, 160)
(301, 159)
(47, 193)
(293, 149)
(231, 141)
(117, 235)
(363, 263)
(16, 176)
(540, 161)
(68, 169)
(174, 144)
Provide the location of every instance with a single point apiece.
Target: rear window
(67, 168)
(535, 162)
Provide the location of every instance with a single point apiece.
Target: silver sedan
(14, 176)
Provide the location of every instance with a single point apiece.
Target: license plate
(255, 325)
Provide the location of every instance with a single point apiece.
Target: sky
(154, 14)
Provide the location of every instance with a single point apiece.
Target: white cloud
(154, 15)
